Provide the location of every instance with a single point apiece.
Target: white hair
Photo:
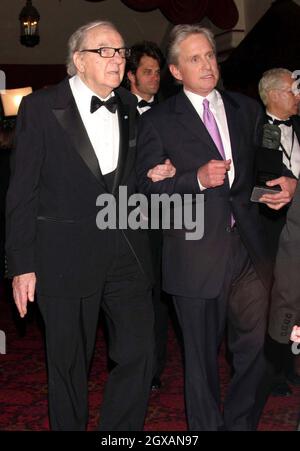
(271, 79)
(77, 38)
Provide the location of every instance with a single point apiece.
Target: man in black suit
(276, 89)
(210, 139)
(75, 142)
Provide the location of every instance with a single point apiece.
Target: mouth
(207, 77)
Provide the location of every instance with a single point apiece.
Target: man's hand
(213, 173)
(295, 335)
(23, 291)
(162, 171)
(283, 197)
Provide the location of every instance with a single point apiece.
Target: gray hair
(271, 79)
(181, 32)
(77, 38)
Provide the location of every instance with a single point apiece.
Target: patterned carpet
(23, 389)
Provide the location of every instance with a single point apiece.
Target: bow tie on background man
(288, 122)
(142, 103)
(110, 104)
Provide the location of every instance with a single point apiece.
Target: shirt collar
(272, 116)
(84, 93)
(141, 98)
(214, 98)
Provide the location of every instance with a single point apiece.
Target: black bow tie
(142, 103)
(288, 122)
(110, 104)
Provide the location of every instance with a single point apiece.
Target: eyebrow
(105, 44)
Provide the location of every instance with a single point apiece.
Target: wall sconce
(11, 99)
(29, 19)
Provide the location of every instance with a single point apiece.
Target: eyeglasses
(109, 52)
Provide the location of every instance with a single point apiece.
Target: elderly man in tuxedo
(210, 138)
(277, 89)
(75, 142)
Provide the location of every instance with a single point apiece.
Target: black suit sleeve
(22, 197)
(151, 152)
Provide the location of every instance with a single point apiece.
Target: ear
(131, 77)
(78, 61)
(175, 71)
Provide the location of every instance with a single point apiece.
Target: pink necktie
(212, 128)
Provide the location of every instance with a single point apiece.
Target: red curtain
(223, 13)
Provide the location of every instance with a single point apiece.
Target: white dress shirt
(102, 126)
(216, 106)
(291, 146)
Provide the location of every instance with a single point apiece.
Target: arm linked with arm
(151, 152)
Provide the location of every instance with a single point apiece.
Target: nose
(205, 63)
(118, 57)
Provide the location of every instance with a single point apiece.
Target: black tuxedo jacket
(296, 128)
(274, 220)
(51, 203)
(174, 130)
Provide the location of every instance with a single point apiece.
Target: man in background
(143, 70)
(277, 92)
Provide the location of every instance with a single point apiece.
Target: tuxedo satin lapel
(296, 126)
(70, 120)
(123, 161)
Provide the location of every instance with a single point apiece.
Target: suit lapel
(296, 126)
(69, 118)
(123, 116)
(127, 123)
(189, 119)
(231, 110)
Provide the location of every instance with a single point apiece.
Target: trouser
(71, 324)
(243, 303)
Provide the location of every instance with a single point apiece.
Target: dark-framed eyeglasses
(109, 52)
